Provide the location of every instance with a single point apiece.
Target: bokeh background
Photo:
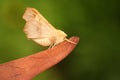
(96, 22)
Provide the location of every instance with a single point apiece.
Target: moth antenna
(70, 41)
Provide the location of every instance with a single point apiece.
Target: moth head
(60, 36)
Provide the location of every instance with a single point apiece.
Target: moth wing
(35, 29)
(36, 25)
(38, 28)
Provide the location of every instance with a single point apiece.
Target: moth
(40, 30)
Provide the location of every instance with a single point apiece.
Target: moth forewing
(31, 13)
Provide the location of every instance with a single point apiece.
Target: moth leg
(51, 45)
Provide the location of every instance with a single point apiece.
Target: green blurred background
(97, 23)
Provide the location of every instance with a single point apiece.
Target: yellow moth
(41, 31)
